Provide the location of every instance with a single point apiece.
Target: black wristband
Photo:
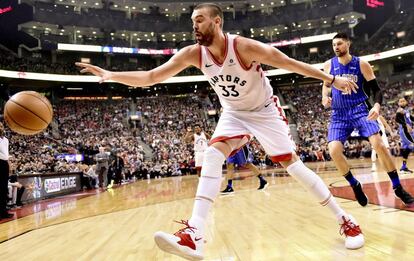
(333, 79)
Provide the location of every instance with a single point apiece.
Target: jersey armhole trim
(199, 58)
(238, 56)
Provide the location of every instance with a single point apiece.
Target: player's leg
(230, 174)
(371, 130)
(314, 184)
(388, 162)
(373, 156)
(338, 132)
(255, 170)
(198, 158)
(373, 160)
(188, 242)
(406, 146)
(273, 134)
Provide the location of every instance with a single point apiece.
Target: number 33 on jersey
(233, 82)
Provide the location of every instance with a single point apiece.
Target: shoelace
(349, 228)
(187, 226)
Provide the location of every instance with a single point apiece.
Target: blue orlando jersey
(350, 71)
(407, 118)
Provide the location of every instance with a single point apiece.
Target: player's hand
(95, 70)
(345, 85)
(410, 130)
(373, 114)
(326, 101)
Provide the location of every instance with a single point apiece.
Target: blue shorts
(345, 121)
(242, 157)
(405, 141)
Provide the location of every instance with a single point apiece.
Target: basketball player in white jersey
(200, 139)
(232, 67)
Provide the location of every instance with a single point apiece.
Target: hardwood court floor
(283, 222)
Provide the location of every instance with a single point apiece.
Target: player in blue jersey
(243, 157)
(405, 121)
(352, 111)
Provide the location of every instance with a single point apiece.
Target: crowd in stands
(385, 39)
(83, 127)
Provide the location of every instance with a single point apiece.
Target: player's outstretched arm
(269, 55)
(181, 60)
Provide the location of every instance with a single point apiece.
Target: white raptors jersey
(200, 142)
(238, 88)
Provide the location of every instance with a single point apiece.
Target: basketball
(28, 112)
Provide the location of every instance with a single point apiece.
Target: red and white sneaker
(354, 238)
(185, 242)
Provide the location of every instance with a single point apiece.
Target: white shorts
(198, 158)
(268, 125)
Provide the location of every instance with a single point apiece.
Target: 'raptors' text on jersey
(238, 88)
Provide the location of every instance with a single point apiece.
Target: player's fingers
(348, 87)
(86, 65)
(85, 70)
(373, 116)
(354, 86)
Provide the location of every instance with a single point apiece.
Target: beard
(206, 38)
(340, 54)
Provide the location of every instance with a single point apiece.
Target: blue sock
(394, 178)
(260, 176)
(230, 183)
(352, 181)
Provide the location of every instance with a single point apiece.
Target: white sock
(208, 187)
(313, 183)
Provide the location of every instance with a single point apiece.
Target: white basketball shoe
(186, 242)
(354, 238)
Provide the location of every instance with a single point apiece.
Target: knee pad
(213, 163)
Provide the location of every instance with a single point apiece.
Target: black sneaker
(228, 190)
(6, 215)
(360, 195)
(400, 193)
(263, 184)
(405, 170)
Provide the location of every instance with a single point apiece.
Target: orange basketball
(28, 112)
